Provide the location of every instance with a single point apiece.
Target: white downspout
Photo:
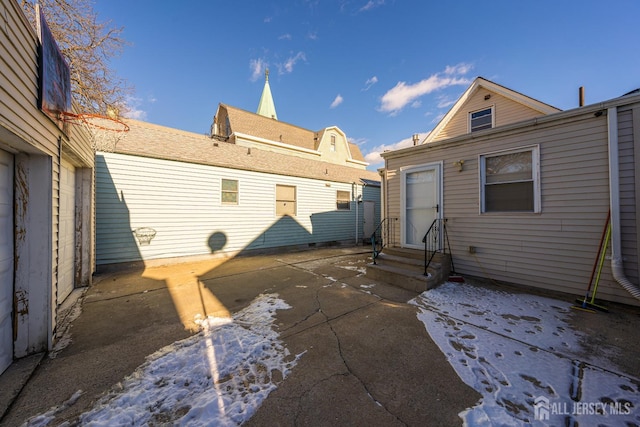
(617, 266)
(354, 190)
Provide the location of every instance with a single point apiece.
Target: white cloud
(371, 4)
(358, 141)
(286, 36)
(444, 102)
(135, 114)
(374, 158)
(403, 94)
(133, 108)
(458, 69)
(337, 101)
(370, 82)
(287, 67)
(312, 35)
(257, 68)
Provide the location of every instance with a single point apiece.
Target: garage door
(66, 230)
(6, 259)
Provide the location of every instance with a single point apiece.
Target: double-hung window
(510, 181)
(481, 119)
(229, 194)
(343, 200)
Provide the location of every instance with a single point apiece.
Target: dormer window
(333, 144)
(480, 120)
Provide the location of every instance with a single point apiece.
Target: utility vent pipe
(416, 138)
(581, 96)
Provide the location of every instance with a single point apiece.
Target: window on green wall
(229, 192)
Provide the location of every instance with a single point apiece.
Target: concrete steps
(405, 268)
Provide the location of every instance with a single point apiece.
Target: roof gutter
(617, 265)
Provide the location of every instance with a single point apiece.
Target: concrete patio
(368, 360)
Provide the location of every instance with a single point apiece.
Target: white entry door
(66, 230)
(421, 203)
(6, 259)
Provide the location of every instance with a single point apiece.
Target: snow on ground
(360, 269)
(66, 317)
(219, 376)
(520, 353)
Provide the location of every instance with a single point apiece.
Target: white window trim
(493, 117)
(222, 203)
(535, 174)
(348, 200)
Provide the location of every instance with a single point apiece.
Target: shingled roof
(150, 140)
(246, 122)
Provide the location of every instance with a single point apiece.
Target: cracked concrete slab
(396, 374)
(366, 358)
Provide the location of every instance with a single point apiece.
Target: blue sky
(381, 70)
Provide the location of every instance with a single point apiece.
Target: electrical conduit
(617, 266)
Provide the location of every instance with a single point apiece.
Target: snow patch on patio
(219, 376)
(522, 355)
(359, 269)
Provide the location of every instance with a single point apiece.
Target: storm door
(421, 203)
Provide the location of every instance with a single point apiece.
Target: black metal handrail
(384, 235)
(436, 240)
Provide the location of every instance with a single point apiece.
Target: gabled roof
(154, 141)
(479, 83)
(248, 123)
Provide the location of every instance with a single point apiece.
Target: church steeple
(266, 107)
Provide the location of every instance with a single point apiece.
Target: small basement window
(480, 120)
(510, 181)
(343, 200)
(229, 194)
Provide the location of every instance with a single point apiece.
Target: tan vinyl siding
(554, 249)
(393, 201)
(505, 111)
